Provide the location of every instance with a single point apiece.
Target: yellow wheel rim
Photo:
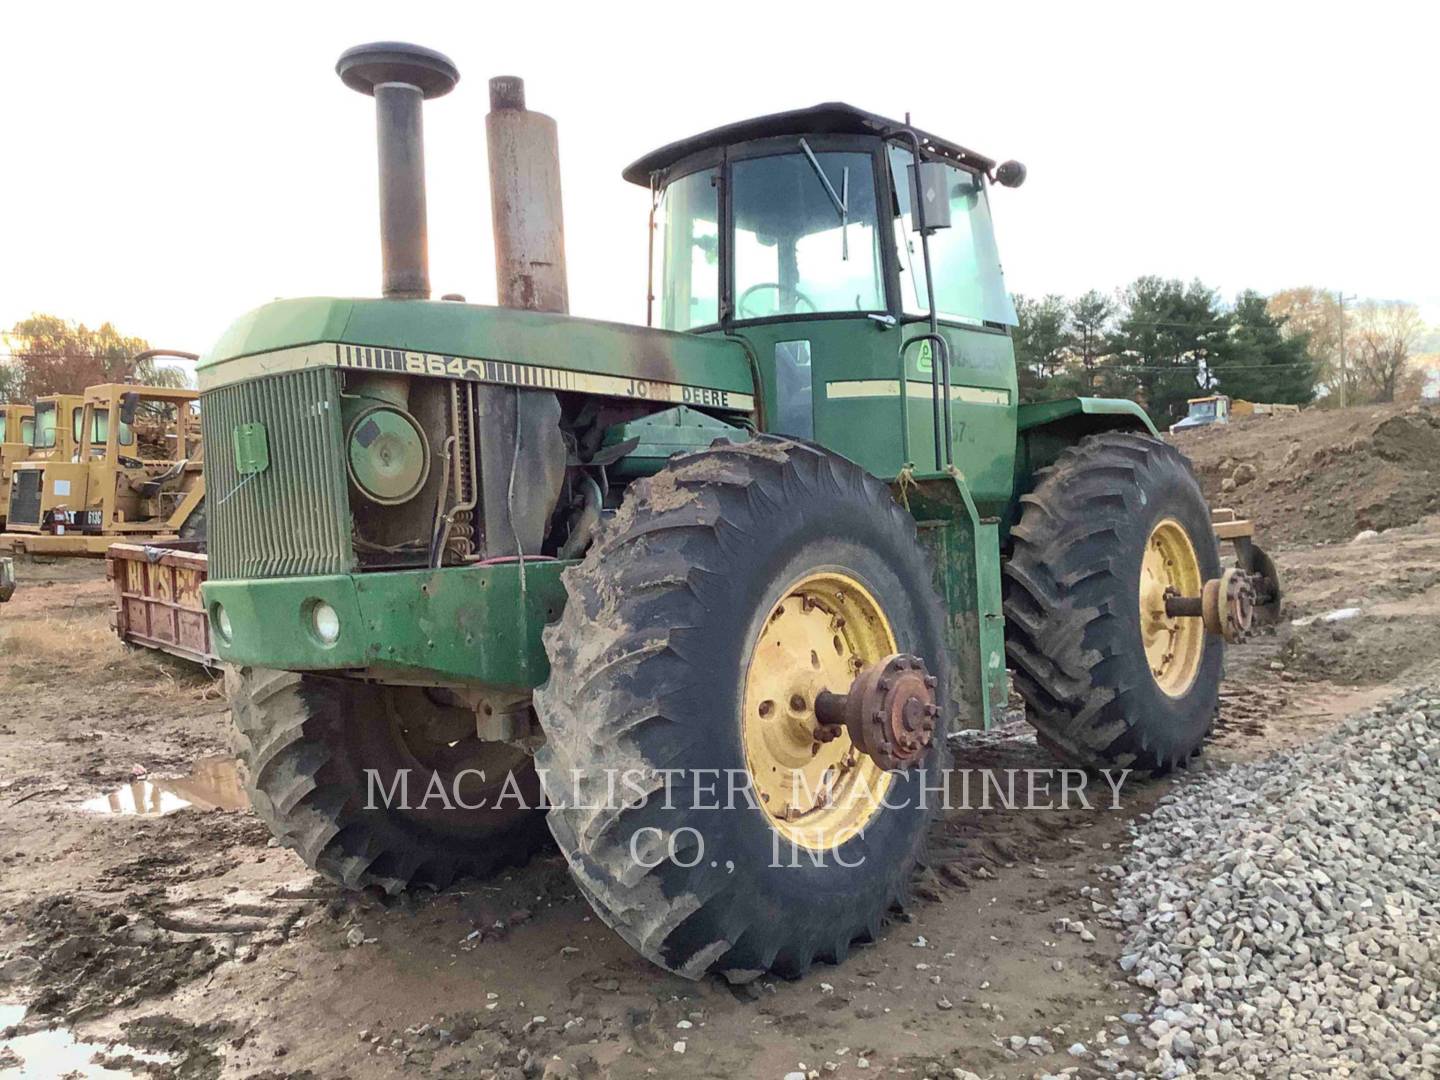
(1174, 647)
(818, 636)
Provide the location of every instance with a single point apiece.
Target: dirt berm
(1325, 474)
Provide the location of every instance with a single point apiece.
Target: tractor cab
(17, 423)
(813, 236)
(54, 427)
(17, 431)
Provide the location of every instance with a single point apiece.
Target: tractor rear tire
(1075, 632)
(665, 635)
(322, 759)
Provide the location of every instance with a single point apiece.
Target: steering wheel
(781, 290)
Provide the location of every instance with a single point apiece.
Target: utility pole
(1344, 379)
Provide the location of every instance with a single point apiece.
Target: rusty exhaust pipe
(522, 454)
(525, 201)
(400, 77)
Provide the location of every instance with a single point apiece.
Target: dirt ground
(184, 944)
(1322, 475)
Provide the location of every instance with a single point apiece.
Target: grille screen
(293, 518)
(25, 487)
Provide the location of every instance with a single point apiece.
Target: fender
(1044, 429)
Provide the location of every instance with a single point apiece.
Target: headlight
(325, 621)
(222, 622)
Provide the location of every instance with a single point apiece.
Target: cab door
(975, 314)
(806, 267)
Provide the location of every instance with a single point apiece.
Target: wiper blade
(841, 201)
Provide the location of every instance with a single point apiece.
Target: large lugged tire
(307, 742)
(663, 652)
(1113, 510)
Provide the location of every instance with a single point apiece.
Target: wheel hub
(1225, 606)
(1228, 605)
(813, 779)
(889, 712)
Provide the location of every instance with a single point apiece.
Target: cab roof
(829, 118)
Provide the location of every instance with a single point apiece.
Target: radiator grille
(25, 486)
(293, 518)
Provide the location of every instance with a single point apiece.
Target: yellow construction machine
(133, 472)
(1218, 409)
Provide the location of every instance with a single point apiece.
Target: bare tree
(1316, 314)
(1385, 337)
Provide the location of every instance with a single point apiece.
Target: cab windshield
(807, 240)
(99, 428)
(805, 236)
(1202, 410)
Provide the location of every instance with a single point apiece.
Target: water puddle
(213, 784)
(57, 1052)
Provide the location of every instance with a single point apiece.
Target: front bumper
(471, 624)
(72, 543)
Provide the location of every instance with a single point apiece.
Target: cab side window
(44, 427)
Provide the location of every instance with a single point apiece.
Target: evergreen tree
(1164, 342)
(1258, 361)
(1040, 339)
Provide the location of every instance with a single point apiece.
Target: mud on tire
(306, 743)
(647, 666)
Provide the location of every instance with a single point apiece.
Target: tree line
(1161, 341)
(1158, 341)
(46, 354)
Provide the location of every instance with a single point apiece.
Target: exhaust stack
(525, 201)
(400, 78)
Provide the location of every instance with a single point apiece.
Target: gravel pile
(1287, 912)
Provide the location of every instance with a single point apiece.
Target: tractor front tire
(1107, 679)
(324, 760)
(730, 589)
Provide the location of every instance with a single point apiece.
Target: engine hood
(443, 339)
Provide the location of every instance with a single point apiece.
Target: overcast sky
(168, 167)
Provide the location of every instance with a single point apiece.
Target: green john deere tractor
(718, 588)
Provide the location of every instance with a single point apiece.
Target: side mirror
(930, 209)
(1010, 174)
(128, 403)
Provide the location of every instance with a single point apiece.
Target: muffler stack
(525, 201)
(400, 77)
